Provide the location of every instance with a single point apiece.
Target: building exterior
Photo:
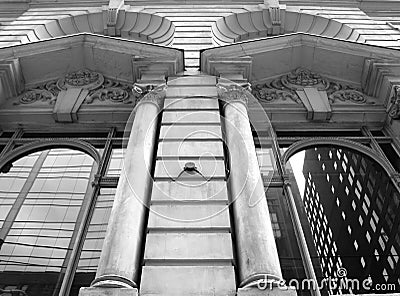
(352, 215)
(145, 146)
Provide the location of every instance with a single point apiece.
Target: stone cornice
(251, 47)
(115, 44)
(326, 56)
(113, 57)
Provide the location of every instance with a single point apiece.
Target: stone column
(256, 249)
(120, 260)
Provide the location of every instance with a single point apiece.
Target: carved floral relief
(100, 89)
(285, 87)
(394, 111)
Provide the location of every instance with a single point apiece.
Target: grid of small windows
(365, 205)
(275, 224)
(322, 233)
(40, 235)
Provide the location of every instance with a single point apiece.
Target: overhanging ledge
(272, 56)
(44, 60)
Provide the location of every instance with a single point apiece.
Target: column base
(98, 291)
(275, 291)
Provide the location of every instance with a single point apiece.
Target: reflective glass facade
(351, 206)
(44, 216)
(48, 195)
(90, 254)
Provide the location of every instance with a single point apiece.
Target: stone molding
(11, 78)
(381, 78)
(272, 19)
(120, 21)
(229, 65)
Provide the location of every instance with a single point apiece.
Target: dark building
(352, 208)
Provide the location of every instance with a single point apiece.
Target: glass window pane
(46, 190)
(93, 243)
(116, 161)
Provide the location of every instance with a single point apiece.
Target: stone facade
(191, 86)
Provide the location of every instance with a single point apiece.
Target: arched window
(348, 206)
(43, 197)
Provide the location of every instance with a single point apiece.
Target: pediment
(346, 65)
(25, 66)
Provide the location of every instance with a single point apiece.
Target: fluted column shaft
(256, 249)
(120, 259)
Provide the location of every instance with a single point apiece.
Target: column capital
(233, 93)
(155, 97)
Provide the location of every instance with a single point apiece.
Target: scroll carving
(285, 87)
(100, 89)
(115, 92)
(394, 111)
(45, 92)
(269, 93)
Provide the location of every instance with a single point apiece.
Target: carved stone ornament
(100, 88)
(267, 93)
(155, 97)
(396, 178)
(394, 111)
(113, 91)
(85, 79)
(233, 93)
(36, 95)
(300, 78)
(45, 92)
(351, 95)
(285, 88)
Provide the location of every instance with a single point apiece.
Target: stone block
(188, 281)
(97, 291)
(189, 190)
(189, 246)
(199, 80)
(189, 216)
(191, 103)
(191, 117)
(171, 169)
(184, 148)
(276, 291)
(173, 132)
(187, 91)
